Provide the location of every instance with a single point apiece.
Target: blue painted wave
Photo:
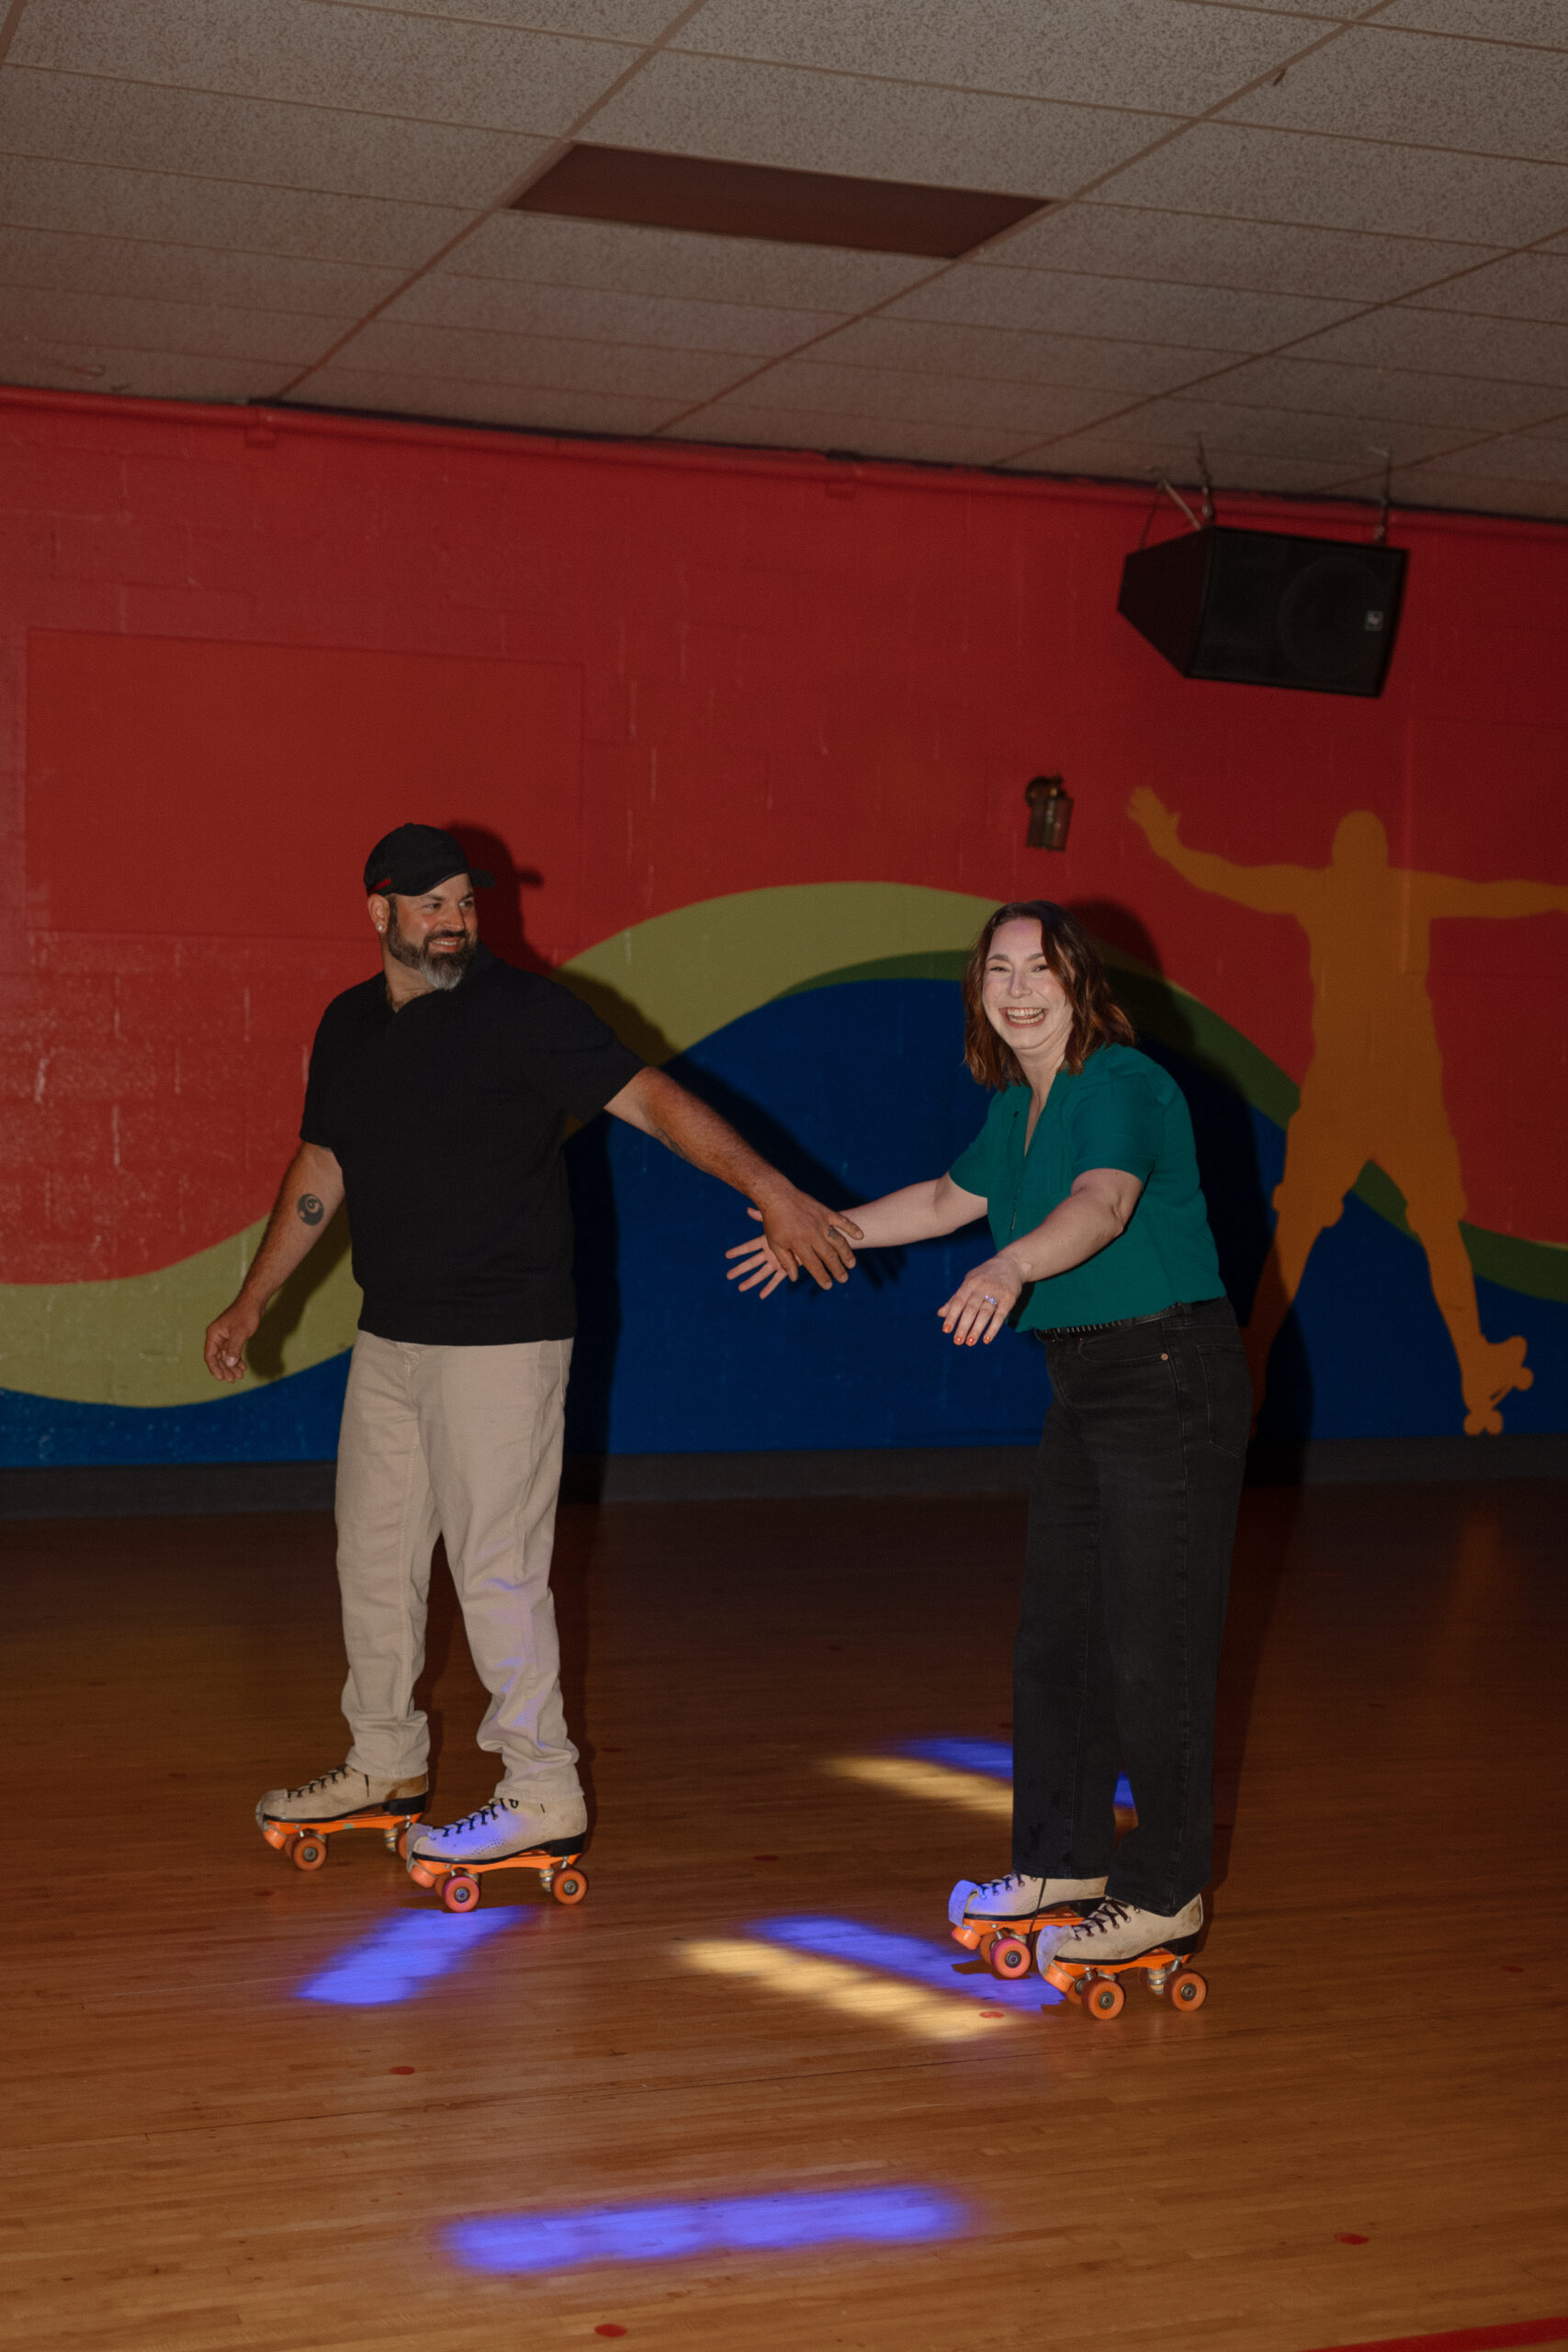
(854, 1090)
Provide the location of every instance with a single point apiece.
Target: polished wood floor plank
(1359, 2137)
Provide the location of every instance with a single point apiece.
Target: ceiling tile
(1514, 456)
(1265, 256)
(1377, 84)
(594, 315)
(910, 346)
(1228, 469)
(545, 251)
(553, 365)
(844, 434)
(74, 120)
(372, 60)
(386, 392)
(1524, 285)
(1217, 318)
(1347, 442)
(1391, 395)
(831, 122)
(1480, 493)
(1166, 55)
(967, 401)
(203, 330)
(1526, 351)
(1541, 21)
(638, 21)
(1233, 170)
(186, 274)
(144, 375)
(216, 215)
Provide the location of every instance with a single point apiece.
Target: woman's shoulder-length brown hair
(1098, 1019)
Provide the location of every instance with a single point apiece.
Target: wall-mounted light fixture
(1050, 812)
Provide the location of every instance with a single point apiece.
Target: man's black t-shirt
(447, 1120)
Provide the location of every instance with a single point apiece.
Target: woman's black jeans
(1132, 1517)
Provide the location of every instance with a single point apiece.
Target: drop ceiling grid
(1103, 336)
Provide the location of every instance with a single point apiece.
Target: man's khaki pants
(463, 1442)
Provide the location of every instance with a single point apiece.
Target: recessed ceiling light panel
(717, 199)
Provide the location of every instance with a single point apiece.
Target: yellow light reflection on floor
(838, 1988)
(913, 1778)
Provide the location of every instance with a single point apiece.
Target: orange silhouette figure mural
(1374, 1087)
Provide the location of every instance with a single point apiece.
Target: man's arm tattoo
(309, 1208)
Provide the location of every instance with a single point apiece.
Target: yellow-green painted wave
(662, 985)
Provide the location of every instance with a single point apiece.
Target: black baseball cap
(414, 858)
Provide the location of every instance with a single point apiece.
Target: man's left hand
(806, 1238)
(981, 1303)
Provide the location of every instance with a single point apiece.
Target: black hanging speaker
(1259, 608)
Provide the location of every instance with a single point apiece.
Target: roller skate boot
(508, 1834)
(1088, 1961)
(1000, 1919)
(298, 1821)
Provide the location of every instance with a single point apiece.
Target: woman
(1087, 1171)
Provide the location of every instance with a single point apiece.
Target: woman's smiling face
(1025, 1002)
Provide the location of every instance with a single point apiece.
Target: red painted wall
(658, 676)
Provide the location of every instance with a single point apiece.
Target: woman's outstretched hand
(981, 1303)
(761, 1263)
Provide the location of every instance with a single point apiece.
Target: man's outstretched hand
(224, 1347)
(797, 1233)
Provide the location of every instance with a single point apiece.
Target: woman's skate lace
(1109, 1913)
(997, 1886)
(321, 1781)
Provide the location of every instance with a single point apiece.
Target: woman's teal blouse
(1121, 1111)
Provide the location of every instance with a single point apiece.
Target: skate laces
(1108, 1914)
(994, 1886)
(490, 1811)
(321, 1780)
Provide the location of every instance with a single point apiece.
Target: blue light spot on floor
(992, 1756)
(936, 1964)
(535, 2242)
(405, 1956)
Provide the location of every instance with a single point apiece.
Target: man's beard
(444, 971)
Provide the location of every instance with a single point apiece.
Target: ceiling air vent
(648, 191)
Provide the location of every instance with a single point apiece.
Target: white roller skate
(1000, 1919)
(298, 1821)
(510, 1833)
(1088, 1961)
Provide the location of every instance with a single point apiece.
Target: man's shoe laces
(321, 1780)
(492, 1812)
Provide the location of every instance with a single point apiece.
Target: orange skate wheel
(420, 1876)
(276, 1838)
(1010, 1957)
(569, 1886)
(461, 1892)
(1186, 1990)
(401, 1844)
(1103, 1998)
(307, 1853)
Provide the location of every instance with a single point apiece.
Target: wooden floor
(1360, 2136)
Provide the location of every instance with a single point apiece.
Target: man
(436, 1108)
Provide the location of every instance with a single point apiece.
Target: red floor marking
(1468, 2339)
